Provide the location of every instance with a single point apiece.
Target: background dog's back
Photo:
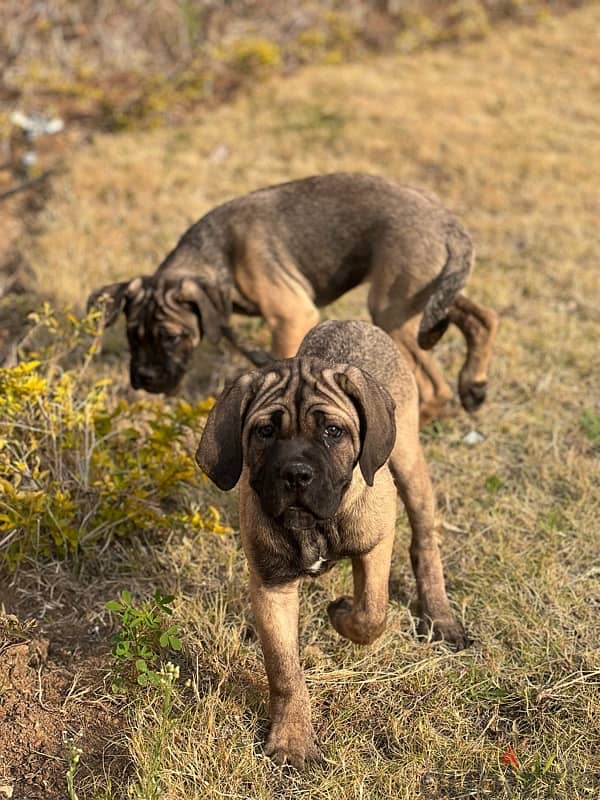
(330, 233)
(286, 250)
(283, 251)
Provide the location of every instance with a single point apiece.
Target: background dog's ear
(212, 315)
(375, 408)
(112, 298)
(219, 453)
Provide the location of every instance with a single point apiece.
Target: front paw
(292, 743)
(446, 629)
(354, 625)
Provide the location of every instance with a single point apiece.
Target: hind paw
(472, 395)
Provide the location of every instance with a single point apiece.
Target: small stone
(473, 438)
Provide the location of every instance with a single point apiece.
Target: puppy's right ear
(112, 298)
(219, 453)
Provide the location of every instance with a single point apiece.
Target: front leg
(290, 323)
(260, 358)
(290, 313)
(362, 618)
(416, 492)
(291, 738)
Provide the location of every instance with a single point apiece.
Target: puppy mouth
(156, 386)
(298, 518)
(157, 389)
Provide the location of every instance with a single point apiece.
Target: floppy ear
(112, 298)
(209, 306)
(375, 408)
(219, 453)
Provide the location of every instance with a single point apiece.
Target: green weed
(144, 639)
(493, 484)
(590, 423)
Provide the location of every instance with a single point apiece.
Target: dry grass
(506, 132)
(118, 65)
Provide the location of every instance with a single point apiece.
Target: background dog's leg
(397, 296)
(401, 320)
(271, 280)
(289, 323)
(362, 618)
(260, 358)
(291, 738)
(416, 493)
(478, 325)
(434, 391)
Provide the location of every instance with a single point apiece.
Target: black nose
(297, 475)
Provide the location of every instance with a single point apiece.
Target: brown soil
(52, 698)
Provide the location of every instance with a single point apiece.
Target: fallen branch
(26, 184)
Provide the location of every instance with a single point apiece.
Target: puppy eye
(334, 432)
(174, 338)
(266, 431)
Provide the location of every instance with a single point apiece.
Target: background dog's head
(300, 428)
(166, 319)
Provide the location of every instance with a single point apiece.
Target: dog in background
(287, 250)
(321, 445)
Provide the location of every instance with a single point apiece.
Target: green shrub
(78, 465)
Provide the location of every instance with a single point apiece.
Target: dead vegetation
(118, 65)
(505, 130)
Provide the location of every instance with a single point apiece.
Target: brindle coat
(321, 445)
(284, 251)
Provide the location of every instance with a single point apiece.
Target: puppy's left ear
(210, 306)
(219, 453)
(375, 408)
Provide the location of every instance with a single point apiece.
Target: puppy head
(300, 428)
(166, 319)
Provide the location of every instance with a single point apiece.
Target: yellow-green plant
(78, 464)
(255, 56)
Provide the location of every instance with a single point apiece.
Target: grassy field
(506, 131)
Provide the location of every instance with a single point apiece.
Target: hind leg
(479, 326)
(435, 393)
(396, 301)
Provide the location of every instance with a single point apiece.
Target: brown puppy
(321, 444)
(284, 251)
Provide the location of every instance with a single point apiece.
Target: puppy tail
(450, 281)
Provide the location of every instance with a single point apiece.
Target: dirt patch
(52, 698)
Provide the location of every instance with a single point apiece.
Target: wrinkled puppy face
(298, 429)
(301, 442)
(166, 319)
(162, 333)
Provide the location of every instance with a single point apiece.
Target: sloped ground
(506, 131)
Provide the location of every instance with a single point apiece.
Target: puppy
(321, 445)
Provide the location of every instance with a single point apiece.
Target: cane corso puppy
(321, 445)
(283, 252)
